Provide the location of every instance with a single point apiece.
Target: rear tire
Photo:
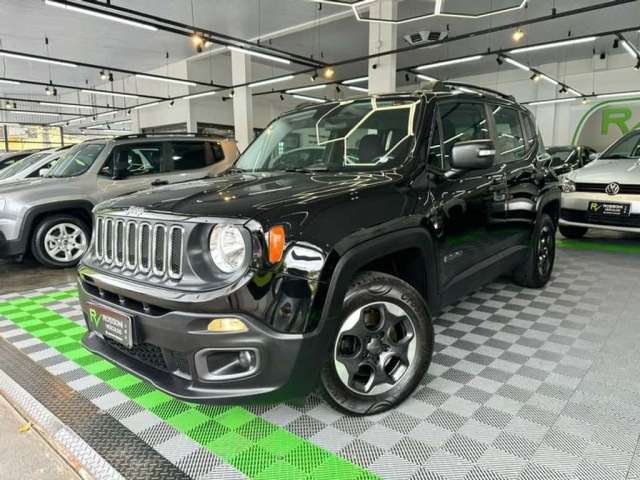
(60, 241)
(536, 270)
(573, 232)
(383, 347)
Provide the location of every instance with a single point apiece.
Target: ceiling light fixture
(548, 79)
(309, 99)
(259, 54)
(450, 62)
(555, 100)
(517, 64)
(270, 81)
(357, 89)
(616, 95)
(562, 43)
(575, 92)
(198, 95)
(106, 16)
(103, 75)
(144, 105)
(105, 92)
(328, 72)
(165, 79)
(30, 112)
(9, 82)
(314, 76)
(65, 105)
(307, 89)
(356, 80)
(24, 56)
(518, 34)
(535, 77)
(426, 78)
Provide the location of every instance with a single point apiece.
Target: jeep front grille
(139, 246)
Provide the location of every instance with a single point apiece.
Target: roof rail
(165, 134)
(480, 89)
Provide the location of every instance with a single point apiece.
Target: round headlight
(228, 249)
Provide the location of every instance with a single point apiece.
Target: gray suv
(50, 217)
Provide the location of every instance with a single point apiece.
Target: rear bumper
(170, 348)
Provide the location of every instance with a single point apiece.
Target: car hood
(11, 185)
(248, 195)
(607, 171)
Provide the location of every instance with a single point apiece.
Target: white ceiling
(78, 37)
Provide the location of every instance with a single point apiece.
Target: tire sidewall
(382, 287)
(37, 244)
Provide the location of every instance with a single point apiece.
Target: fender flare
(552, 194)
(363, 253)
(55, 207)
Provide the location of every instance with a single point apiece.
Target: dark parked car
(566, 158)
(260, 282)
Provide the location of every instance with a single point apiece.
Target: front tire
(60, 241)
(536, 270)
(383, 347)
(573, 233)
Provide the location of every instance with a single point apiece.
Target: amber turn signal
(275, 241)
(227, 325)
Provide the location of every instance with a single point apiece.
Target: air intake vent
(422, 37)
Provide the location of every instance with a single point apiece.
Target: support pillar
(382, 37)
(242, 99)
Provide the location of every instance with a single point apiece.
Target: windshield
(77, 160)
(21, 165)
(364, 135)
(627, 148)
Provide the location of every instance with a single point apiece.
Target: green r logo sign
(94, 317)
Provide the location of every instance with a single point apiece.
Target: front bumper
(575, 212)
(170, 345)
(11, 248)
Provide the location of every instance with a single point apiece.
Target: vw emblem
(612, 189)
(134, 212)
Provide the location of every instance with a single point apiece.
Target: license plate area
(609, 209)
(111, 324)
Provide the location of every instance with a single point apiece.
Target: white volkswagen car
(605, 194)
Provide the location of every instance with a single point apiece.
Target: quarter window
(509, 141)
(461, 122)
(188, 156)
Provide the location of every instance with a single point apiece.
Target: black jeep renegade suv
(324, 253)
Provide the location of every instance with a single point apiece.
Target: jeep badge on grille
(134, 212)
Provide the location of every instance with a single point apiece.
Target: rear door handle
(157, 183)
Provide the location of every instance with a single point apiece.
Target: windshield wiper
(307, 170)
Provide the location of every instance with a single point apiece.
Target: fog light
(227, 325)
(246, 359)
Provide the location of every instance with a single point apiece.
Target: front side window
(529, 130)
(77, 160)
(627, 148)
(364, 135)
(509, 140)
(187, 156)
(462, 122)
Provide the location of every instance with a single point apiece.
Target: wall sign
(606, 122)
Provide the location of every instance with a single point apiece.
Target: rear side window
(461, 122)
(509, 139)
(189, 155)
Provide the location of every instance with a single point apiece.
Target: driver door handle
(158, 182)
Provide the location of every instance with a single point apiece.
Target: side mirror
(218, 152)
(593, 156)
(473, 155)
(120, 166)
(43, 172)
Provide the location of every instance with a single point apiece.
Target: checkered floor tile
(524, 384)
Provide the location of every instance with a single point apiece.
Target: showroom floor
(525, 384)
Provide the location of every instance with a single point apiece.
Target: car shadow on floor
(27, 275)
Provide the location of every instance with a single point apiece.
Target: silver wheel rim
(65, 242)
(375, 348)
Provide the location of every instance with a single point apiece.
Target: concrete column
(382, 37)
(242, 99)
